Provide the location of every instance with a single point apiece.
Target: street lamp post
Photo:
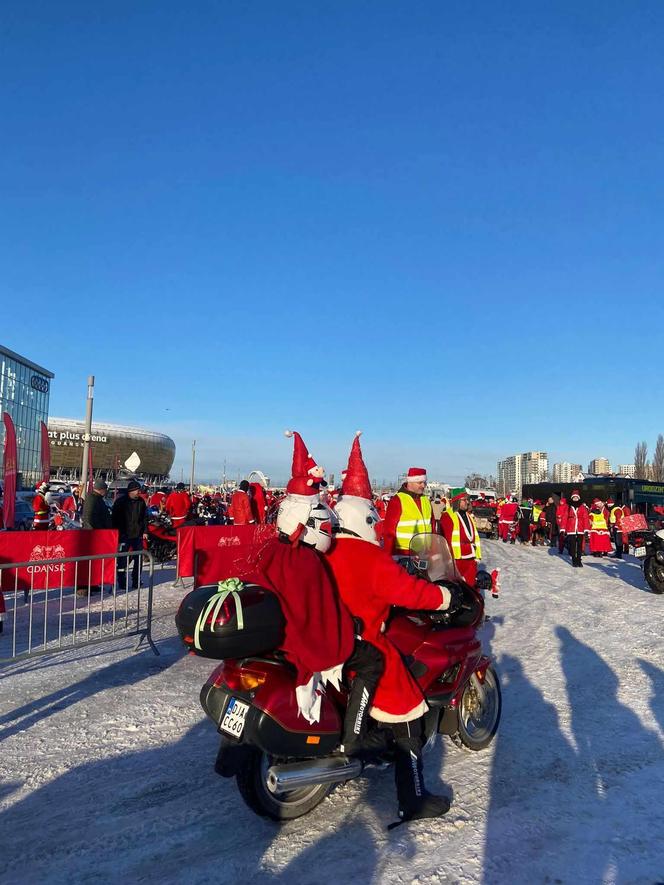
(86, 435)
(193, 467)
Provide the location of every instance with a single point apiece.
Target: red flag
(45, 453)
(10, 467)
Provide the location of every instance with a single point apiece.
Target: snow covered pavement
(106, 759)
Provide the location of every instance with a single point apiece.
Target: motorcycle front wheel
(252, 784)
(654, 573)
(479, 713)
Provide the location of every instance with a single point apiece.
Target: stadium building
(112, 445)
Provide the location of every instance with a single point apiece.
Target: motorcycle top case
(257, 628)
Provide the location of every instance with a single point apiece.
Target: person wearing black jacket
(96, 514)
(130, 519)
(551, 524)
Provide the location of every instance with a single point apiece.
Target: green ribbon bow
(229, 587)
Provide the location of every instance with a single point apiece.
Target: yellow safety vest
(536, 513)
(614, 514)
(597, 522)
(456, 537)
(412, 522)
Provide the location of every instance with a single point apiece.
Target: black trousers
(618, 541)
(368, 664)
(575, 546)
(133, 562)
(408, 768)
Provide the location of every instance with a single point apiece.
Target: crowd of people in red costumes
(565, 525)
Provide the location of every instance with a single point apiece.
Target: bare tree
(658, 460)
(641, 461)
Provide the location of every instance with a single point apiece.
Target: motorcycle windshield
(432, 555)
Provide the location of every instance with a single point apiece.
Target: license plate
(233, 721)
(639, 551)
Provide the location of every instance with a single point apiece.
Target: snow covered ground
(106, 759)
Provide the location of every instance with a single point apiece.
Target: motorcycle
(61, 520)
(649, 546)
(162, 538)
(283, 765)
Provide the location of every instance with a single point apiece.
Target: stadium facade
(112, 445)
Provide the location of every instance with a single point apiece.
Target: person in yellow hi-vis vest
(408, 513)
(458, 527)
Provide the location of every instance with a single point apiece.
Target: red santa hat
(416, 474)
(597, 503)
(356, 478)
(575, 492)
(306, 474)
(610, 500)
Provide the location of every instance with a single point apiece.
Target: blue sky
(438, 222)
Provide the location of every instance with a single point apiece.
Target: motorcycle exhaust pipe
(296, 775)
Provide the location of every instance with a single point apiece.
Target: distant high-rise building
(626, 470)
(599, 465)
(517, 470)
(565, 472)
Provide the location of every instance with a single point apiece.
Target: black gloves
(483, 580)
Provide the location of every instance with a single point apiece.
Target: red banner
(212, 553)
(10, 467)
(45, 453)
(34, 547)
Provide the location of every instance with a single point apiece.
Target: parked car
(23, 515)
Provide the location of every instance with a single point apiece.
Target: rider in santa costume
(370, 582)
(320, 634)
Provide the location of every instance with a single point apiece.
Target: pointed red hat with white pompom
(356, 478)
(306, 473)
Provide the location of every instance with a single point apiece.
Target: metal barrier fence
(45, 620)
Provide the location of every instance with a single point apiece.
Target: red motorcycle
(285, 766)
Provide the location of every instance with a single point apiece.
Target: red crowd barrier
(212, 553)
(34, 547)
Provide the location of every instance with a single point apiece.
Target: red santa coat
(41, 510)
(69, 505)
(370, 582)
(258, 502)
(561, 516)
(576, 520)
(240, 509)
(319, 631)
(178, 505)
(157, 500)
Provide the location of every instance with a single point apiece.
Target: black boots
(415, 803)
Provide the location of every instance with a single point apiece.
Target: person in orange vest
(178, 505)
(408, 513)
(458, 527)
(40, 507)
(240, 509)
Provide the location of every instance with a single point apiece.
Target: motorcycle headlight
(659, 556)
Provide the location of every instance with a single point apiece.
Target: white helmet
(358, 517)
(305, 518)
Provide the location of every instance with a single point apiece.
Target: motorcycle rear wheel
(654, 573)
(478, 721)
(252, 784)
